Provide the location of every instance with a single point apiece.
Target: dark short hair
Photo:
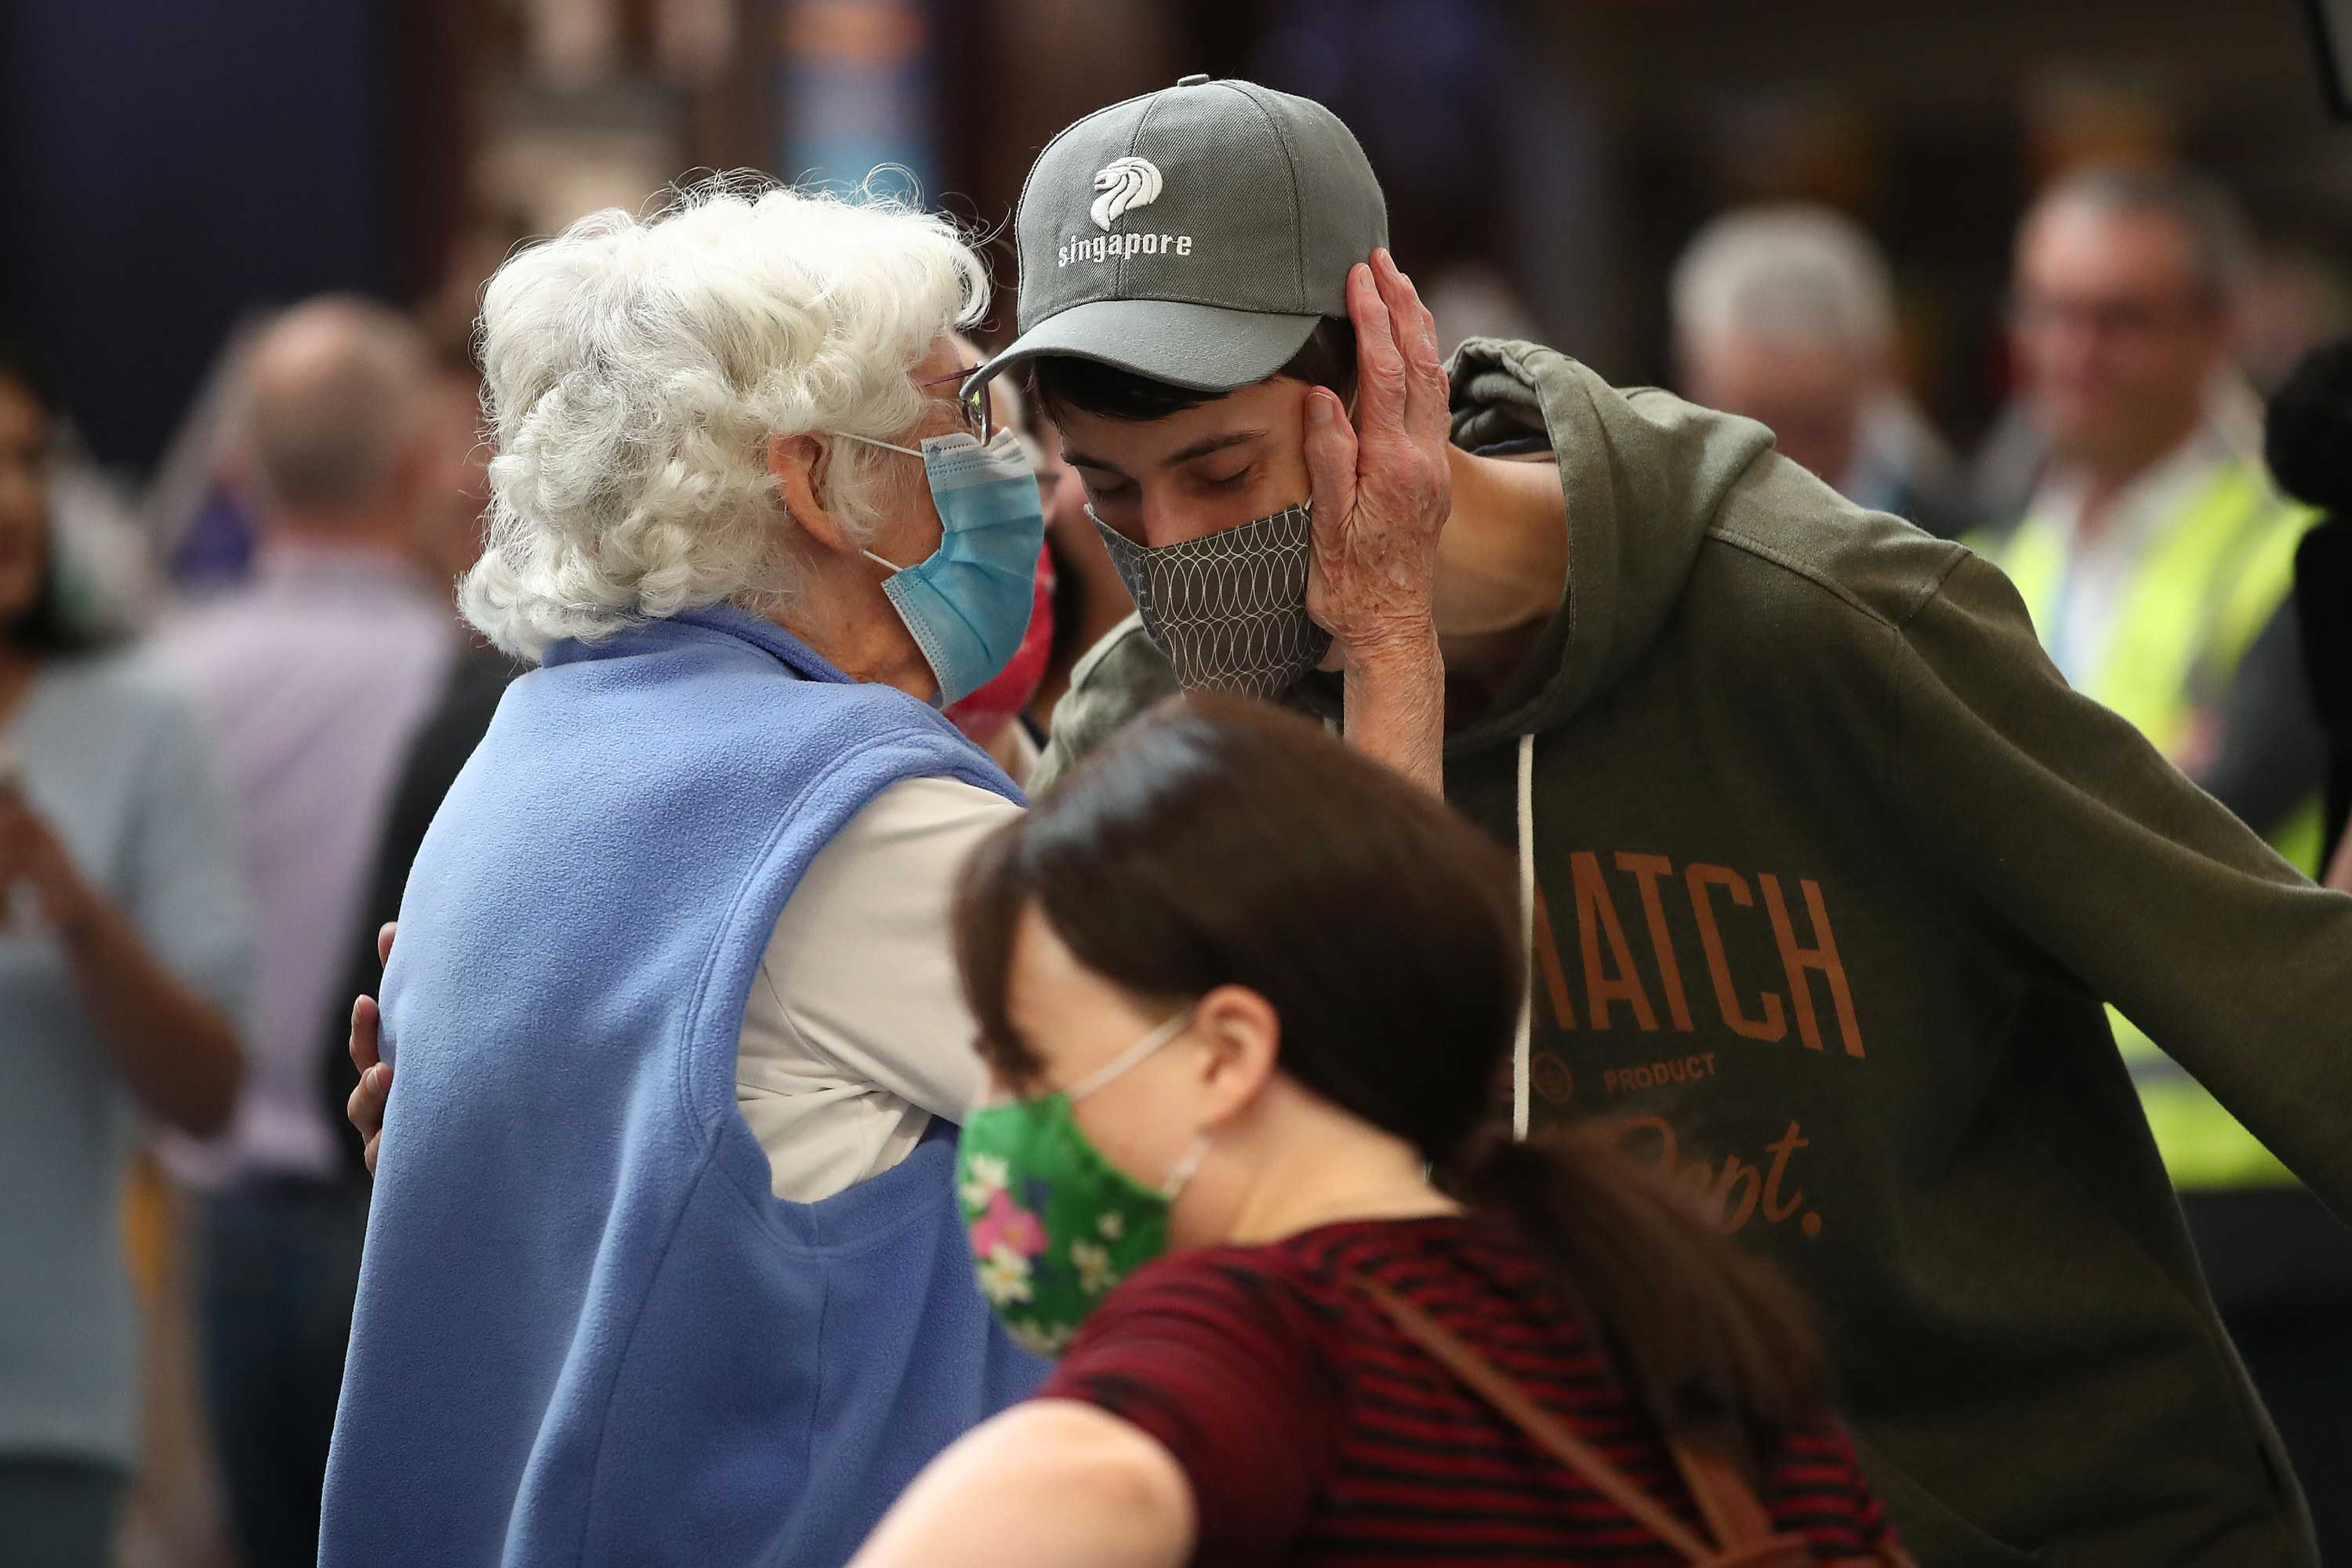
(1217, 842)
(1057, 382)
(48, 625)
(2221, 244)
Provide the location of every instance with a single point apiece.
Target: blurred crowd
(227, 726)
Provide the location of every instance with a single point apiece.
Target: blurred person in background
(2157, 559)
(123, 967)
(1785, 314)
(453, 485)
(2156, 554)
(317, 674)
(1080, 599)
(1090, 599)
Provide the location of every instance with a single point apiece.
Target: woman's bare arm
(1052, 1483)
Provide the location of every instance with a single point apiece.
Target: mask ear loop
(888, 447)
(870, 441)
(1180, 1174)
(891, 447)
(1102, 1075)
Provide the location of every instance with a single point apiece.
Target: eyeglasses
(2136, 319)
(971, 402)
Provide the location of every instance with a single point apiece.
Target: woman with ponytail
(1244, 996)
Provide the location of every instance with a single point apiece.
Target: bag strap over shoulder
(1730, 1506)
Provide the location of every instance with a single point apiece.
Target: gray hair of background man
(1790, 273)
(2221, 248)
(332, 396)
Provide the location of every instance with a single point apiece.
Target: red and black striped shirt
(1313, 1431)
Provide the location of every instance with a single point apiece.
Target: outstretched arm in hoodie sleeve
(2063, 819)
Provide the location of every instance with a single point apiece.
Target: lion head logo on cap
(1125, 184)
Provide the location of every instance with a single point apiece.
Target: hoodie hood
(1643, 473)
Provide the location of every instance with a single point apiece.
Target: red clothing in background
(1314, 1431)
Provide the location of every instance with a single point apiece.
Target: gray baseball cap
(1194, 234)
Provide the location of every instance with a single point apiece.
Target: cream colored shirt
(856, 1034)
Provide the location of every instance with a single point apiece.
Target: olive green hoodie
(1834, 872)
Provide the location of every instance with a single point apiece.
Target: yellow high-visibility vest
(2205, 588)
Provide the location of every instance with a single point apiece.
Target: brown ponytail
(1713, 1341)
(1218, 842)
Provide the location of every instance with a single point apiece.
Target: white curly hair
(635, 370)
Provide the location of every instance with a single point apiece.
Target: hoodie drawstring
(1520, 1047)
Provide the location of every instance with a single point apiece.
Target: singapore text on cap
(1194, 236)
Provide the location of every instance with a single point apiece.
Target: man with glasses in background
(2157, 559)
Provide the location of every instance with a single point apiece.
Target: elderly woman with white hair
(664, 1262)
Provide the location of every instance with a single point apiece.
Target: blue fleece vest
(587, 1331)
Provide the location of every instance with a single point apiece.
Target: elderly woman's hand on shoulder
(365, 1107)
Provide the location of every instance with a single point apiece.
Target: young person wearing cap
(1827, 870)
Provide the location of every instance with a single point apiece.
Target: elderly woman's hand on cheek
(1382, 486)
(1382, 490)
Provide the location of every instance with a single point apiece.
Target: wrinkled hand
(30, 854)
(365, 1108)
(1382, 489)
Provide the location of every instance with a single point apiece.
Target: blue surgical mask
(968, 605)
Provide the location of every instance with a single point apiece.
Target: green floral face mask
(1054, 1226)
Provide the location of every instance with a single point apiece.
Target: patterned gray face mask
(1228, 609)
